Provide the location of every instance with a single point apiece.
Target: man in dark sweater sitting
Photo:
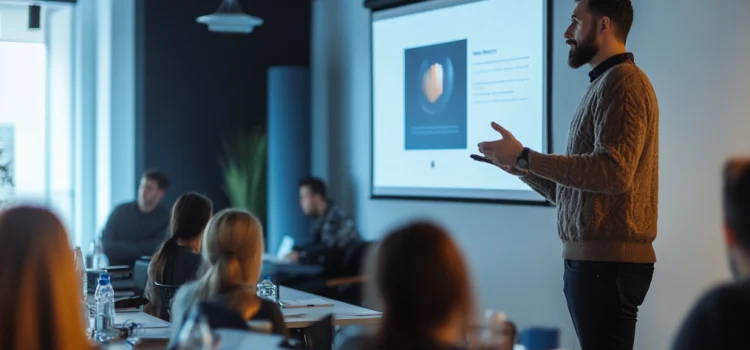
(333, 232)
(719, 320)
(138, 228)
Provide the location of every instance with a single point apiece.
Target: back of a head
(423, 282)
(41, 297)
(620, 12)
(233, 246)
(190, 215)
(737, 199)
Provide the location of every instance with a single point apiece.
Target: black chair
(163, 295)
(140, 278)
(140, 275)
(348, 286)
(319, 336)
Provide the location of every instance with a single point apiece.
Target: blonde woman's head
(41, 296)
(233, 246)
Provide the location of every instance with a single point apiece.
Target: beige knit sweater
(606, 185)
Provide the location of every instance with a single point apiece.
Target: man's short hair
(620, 12)
(158, 176)
(316, 185)
(737, 199)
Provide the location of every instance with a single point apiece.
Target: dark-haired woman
(179, 259)
(423, 283)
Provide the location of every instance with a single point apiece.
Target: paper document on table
(126, 310)
(149, 325)
(299, 303)
(360, 314)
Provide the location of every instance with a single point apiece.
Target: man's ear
(605, 24)
(730, 236)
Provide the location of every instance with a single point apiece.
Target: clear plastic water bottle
(81, 273)
(266, 289)
(105, 305)
(195, 334)
(99, 259)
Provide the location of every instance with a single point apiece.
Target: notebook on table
(300, 303)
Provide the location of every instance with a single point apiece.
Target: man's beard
(583, 52)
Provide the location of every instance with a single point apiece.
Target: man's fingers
(484, 146)
(501, 130)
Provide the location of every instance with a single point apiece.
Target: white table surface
(343, 313)
(230, 340)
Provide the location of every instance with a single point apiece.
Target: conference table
(343, 314)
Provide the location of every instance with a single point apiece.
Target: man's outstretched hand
(503, 152)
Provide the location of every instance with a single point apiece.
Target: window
(36, 109)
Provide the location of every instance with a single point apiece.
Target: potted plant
(243, 165)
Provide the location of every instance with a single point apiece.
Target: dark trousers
(603, 300)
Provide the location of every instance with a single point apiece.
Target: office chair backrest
(319, 336)
(163, 300)
(354, 258)
(140, 275)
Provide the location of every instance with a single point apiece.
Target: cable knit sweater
(606, 184)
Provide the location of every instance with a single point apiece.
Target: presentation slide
(442, 71)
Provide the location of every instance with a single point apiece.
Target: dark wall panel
(195, 85)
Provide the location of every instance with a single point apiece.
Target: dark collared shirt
(609, 63)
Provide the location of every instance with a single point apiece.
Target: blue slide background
(441, 125)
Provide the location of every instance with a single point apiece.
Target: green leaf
(243, 164)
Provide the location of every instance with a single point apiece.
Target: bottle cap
(103, 281)
(266, 277)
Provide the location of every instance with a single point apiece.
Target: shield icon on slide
(432, 82)
(437, 80)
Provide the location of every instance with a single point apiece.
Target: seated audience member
(138, 228)
(423, 283)
(719, 320)
(179, 258)
(40, 302)
(233, 247)
(332, 232)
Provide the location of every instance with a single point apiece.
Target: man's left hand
(503, 152)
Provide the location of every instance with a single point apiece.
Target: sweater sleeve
(118, 250)
(544, 187)
(620, 129)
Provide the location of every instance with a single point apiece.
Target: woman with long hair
(40, 301)
(179, 259)
(423, 284)
(233, 248)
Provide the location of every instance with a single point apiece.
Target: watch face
(523, 164)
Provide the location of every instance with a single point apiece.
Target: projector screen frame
(548, 56)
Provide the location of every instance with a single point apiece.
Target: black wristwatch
(523, 160)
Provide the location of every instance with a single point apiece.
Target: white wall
(689, 50)
(14, 25)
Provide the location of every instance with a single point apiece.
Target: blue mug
(540, 338)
